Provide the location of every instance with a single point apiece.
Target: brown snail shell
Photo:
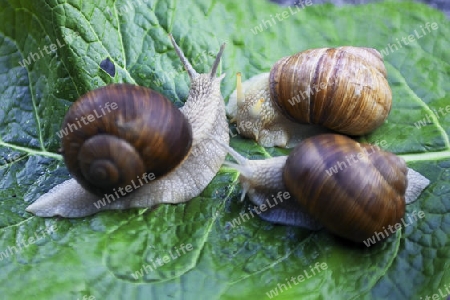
(355, 190)
(344, 89)
(204, 110)
(144, 133)
(364, 196)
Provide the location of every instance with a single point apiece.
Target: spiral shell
(353, 189)
(119, 132)
(340, 89)
(344, 89)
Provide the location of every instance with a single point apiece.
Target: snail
(352, 189)
(135, 148)
(342, 89)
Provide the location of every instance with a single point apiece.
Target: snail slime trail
(128, 189)
(85, 120)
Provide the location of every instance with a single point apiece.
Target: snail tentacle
(344, 89)
(205, 111)
(375, 171)
(262, 181)
(187, 65)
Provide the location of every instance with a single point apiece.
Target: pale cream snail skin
(193, 170)
(365, 197)
(341, 89)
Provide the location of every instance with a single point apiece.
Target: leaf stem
(32, 151)
(426, 156)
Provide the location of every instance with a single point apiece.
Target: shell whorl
(353, 189)
(132, 130)
(344, 89)
(205, 110)
(315, 91)
(261, 180)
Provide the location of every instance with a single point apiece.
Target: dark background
(443, 5)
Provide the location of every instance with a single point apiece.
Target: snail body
(366, 192)
(342, 89)
(182, 156)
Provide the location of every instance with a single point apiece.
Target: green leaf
(99, 256)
